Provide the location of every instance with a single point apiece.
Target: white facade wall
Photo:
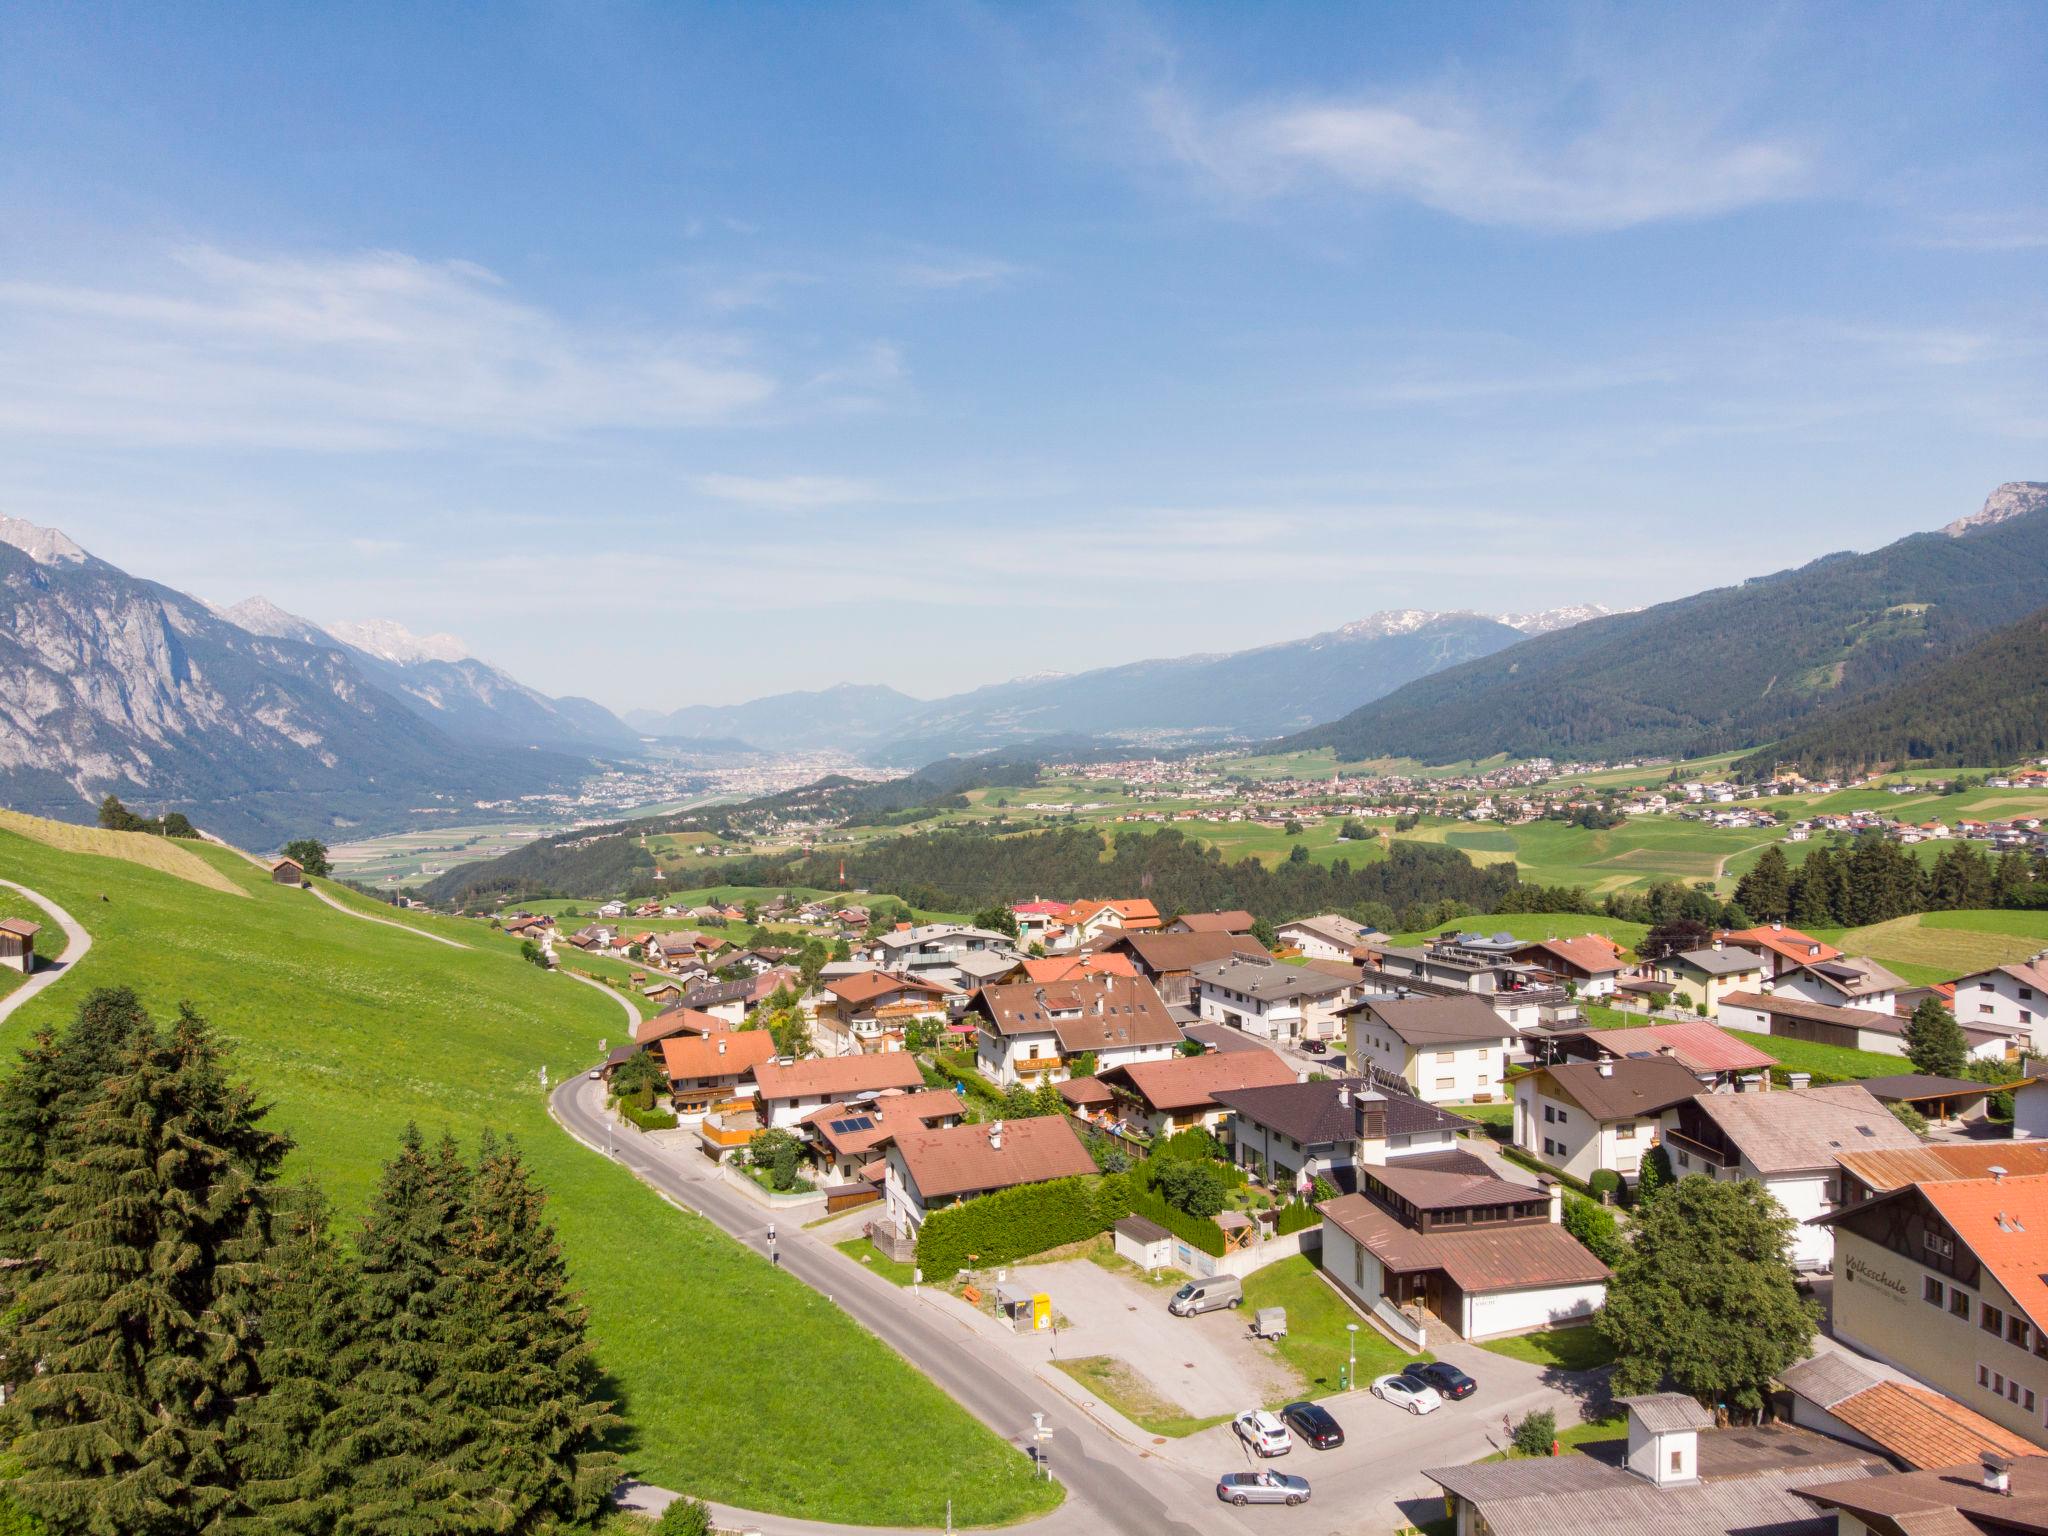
(1498, 1313)
(1810, 989)
(1313, 945)
(1994, 1000)
(1461, 1073)
(1803, 1196)
(1567, 1138)
(2030, 1111)
(1283, 1155)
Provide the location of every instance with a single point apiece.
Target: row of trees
(1874, 879)
(116, 817)
(187, 1349)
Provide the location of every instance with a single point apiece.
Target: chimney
(1997, 1473)
(1777, 925)
(1606, 1065)
(1344, 1095)
(995, 1135)
(721, 1045)
(1717, 945)
(1798, 1079)
(1997, 1173)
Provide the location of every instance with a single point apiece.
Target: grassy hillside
(354, 1029)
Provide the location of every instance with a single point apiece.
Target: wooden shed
(288, 872)
(18, 944)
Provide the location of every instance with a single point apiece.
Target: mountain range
(1732, 668)
(1182, 700)
(110, 683)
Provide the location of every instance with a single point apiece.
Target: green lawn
(48, 942)
(352, 1030)
(868, 1256)
(1486, 1114)
(1131, 1395)
(1835, 1060)
(1316, 1344)
(1582, 1348)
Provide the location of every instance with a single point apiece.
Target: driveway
(1207, 1365)
(49, 971)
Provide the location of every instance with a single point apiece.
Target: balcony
(1675, 1142)
(729, 1126)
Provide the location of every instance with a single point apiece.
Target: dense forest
(1984, 707)
(1719, 670)
(1874, 880)
(964, 871)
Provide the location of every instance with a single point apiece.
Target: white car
(1263, 1432)
(1405, 1392)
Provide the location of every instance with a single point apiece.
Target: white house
(1582, 1116)
(1299, 1132)
(1030, 1032)
(787, 1091)
(1329, 937)
(1450, 1050)
(1787, 1140)
(934, 951)
(1850, 982)
(1284, 1003)
(1860, 1029)
(2012, 999)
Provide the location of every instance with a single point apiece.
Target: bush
(648, 1119)
(1593, 1225)
(1999, 1105)
(1196, 1188)
(1203, 1235)
(1910, 1118)
(1654, 1176)
(779, 1154)
(685, 1517)
(1296, 1216)
(1536, 1433)
(1191, 1145)
(1605, 1184)
(1013, 1224)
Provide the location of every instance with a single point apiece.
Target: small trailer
(1269, 1323)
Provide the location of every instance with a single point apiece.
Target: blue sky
(678, 354)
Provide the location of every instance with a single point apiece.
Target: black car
(1315, 1047)
(1313, 1423)
(1450, 1382)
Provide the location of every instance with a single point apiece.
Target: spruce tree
(309, 1320)
(1935, 1043)
(400, 1432)
(141, 1315)
(1812, 898)
(1765, 893)
(524, 1363)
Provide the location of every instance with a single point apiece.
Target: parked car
(1448, 1380)
(1262, 1430)
(1314, 1046)
(1207, 1295)
(1404, 1392)
(1314, 1423)
(1266, 1487)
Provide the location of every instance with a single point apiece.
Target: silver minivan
(1207, 1295)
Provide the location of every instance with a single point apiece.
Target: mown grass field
(1317, 1344)
(353, 1030)
(48, 942)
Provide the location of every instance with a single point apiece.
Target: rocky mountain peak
(1557, 618)
(392, 641)
(45, 546)
(2015, 498)
(260, 616)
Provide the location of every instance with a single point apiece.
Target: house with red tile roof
(871, 1011)
(704, 1070)
(1709, 1052)
(849, 1140)
(1837, 1394)
(930, 1169)
(1091, 919)
(1030, 1032)
(1158, 1098)
(1093, 962)
(789, 1090)
(1592, 961)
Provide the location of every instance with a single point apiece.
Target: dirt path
(76, 942)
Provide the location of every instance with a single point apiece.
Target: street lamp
(1351, 1370)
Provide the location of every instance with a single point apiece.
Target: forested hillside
(1985, 707)
(1720, 670)
(963, 871)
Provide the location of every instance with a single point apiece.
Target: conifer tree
(309, 1320)
(141, 1314)
(1812, 898)
(1934, 1042)
(524, 1364)
(1765, 893)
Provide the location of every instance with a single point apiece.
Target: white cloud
(373, 350)
(2023, 229)
(1627, 160)
(958, 272)
(788, 492)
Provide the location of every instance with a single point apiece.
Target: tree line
(963, 871)
(186, 1347)
(1874, 879)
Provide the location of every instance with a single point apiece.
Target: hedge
(1517, 1155)
(1205, 1235)
(648, 1119)
(1012, 1224)
(1295, 1216)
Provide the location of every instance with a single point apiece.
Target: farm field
(352, 1031)
(1940, 946)
(409, 858)
(1639, 853)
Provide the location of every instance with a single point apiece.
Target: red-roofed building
(1784, 949)
(704, 1070)
(928, 1170)
(1037, 921)
(1591, 960)
(1701, 1048)
(871, 1011)
(1092, 919)
(1094, 962)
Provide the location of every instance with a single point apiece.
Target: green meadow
(352, 1030)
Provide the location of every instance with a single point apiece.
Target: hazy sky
(678, 354)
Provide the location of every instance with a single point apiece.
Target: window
(1983, 1375)
(1685, 1159)
(2012, 1391)
(1985, 1008)
(1938, 1245)
(1625, 1131)
(1445, 1058)
(1930, 1290)
(2017, 1331)
(1358, 1266)
(1990, 1319)
(1447, 1083)
(1562, 1117)
(2027, 1399)
(1958, 1304)
(1550, 1114)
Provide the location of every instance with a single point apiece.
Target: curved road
(76, 942)
(1108, 1488)
(384, 922)
(633, 1020)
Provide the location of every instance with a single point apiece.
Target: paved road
(76, 942)
(632, 1013)
(383, 922)
(1109, 1487)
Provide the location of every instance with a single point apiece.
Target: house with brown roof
(1838, 1394)
(1030, 1032)
(1790, 1141)
(1948, 1282)
(930, 1169)
(1286, 1004)
(1676, 1474)
(1168, 960)
(1092, 919)
(706, 1070)
(1993, 1496)
(870, 1011)
(18, 943)
(1295, 1133)
(1447, 1236)
(1709, 1052)
(649, 1033)
(1852, 981)
(1157, 1098)
(848, 1140)
(1866, 1175)
(2012, 999)
(1450, 1050)
(789, 1090)
(1861, 1029)
(1582, 1116)
(1592, 962)
(1237, 921)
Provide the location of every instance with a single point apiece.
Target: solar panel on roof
(848, 1127)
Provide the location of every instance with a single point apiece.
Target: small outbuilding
(18, 944)
(288, 872)
(1145, 1243)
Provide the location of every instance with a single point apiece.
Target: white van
(1207, 1295)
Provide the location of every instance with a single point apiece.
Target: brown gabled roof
(965, 1159)
(866, 986)
(1160, 954)
(1779, 1006)
(1942, 1501)
(1945, 1162)
(1593, 953)
(678, 1021)
(1448, 1181)
(730, 1053)
(1486, 1259)
(838, 1076)
(1238, 921)
(1911, 1424)
(20, 927)
(1700, 1046)
(1190, 1082)
(1435, 1020)
(1797, 1130)
(854, 1130)
(1627, 1088)
(1088, 1013)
